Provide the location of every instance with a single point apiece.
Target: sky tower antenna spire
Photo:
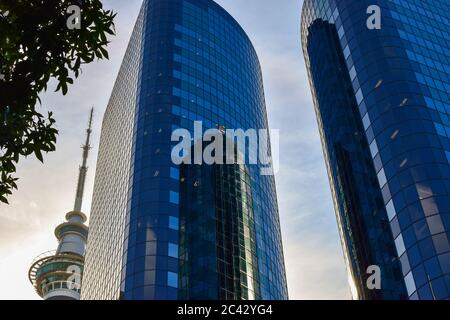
(83, 168)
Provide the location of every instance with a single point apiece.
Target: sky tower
(57, 275)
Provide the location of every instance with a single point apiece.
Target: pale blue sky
(314, 261)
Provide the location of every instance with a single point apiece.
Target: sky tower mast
(83, 168)
(57, 275)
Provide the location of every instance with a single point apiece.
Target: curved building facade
(216, 209)
(188, 60)
(382, 100)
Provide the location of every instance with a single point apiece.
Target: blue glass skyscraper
(382, 100)
(152, 234)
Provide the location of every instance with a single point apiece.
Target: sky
(313, 255)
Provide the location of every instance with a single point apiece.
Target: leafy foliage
(36, 46)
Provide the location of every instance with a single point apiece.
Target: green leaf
(3, 199)
(38, 155)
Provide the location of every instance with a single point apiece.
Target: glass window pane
(174, 173)
(172, 279)
(173, 223)
(174, 197)
(173, 250)
(410, 284)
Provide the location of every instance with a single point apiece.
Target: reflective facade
(382, 100)
(188, 60)
(218, 236)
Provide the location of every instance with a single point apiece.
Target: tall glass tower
(155, 226)
(382, 100)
